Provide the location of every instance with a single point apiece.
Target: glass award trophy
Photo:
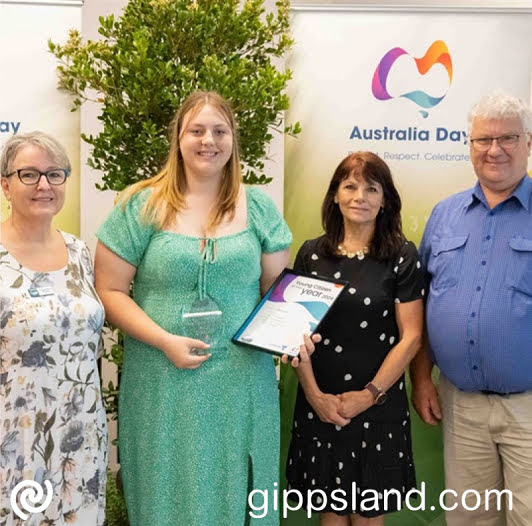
(203, 320)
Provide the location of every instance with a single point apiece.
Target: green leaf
(50, 422)
(48, 450)
(17, 283)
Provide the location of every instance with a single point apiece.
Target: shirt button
(478, 289)
(488, 237)
(475, 367)
(492, 213)
(484, 262)
(472, 342)
(473, 314)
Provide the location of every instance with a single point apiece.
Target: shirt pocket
(519, 275)
(446, 261)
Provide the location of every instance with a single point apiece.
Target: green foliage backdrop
(158, 52)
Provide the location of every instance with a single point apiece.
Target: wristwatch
(379, 396)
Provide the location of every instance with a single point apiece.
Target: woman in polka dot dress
(351, 428)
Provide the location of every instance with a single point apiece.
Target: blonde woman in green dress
(198, 431)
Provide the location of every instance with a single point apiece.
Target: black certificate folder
(294, 305)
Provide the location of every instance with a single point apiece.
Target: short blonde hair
(169, 186)
(35, 138)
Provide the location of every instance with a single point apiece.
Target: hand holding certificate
(295, 305)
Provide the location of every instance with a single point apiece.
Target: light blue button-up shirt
(479, 307)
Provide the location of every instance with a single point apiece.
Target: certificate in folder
(295, 305)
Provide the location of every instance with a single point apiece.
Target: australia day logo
(437, 53)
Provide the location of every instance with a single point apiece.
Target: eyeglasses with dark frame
(507, 142)
(32, 176)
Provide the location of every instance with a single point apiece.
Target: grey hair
(501, 105)
(35, 138)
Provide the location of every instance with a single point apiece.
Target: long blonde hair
(169, 186)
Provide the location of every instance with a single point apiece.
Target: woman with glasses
(53, 428)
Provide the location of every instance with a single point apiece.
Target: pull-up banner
(399, 84)
(29, 99)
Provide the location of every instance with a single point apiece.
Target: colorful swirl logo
(32, 491)
(436, 54)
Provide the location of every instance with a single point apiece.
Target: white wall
(402, 4)
(95, 205)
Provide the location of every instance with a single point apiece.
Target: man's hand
(426, 402)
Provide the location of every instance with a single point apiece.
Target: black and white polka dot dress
(374, 451)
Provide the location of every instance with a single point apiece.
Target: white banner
(399, 84)
(29, 99)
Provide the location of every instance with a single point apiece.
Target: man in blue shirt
(477, 255)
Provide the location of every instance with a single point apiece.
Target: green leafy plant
(158, 52)
(115, 509)
(114, 354)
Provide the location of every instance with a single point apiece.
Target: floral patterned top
(52, 421)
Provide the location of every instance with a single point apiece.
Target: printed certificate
(295, 305)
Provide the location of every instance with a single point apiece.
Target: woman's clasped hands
(340, 409)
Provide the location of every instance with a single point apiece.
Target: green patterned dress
(193, 443)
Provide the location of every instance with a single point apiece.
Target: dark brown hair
(388, 234)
